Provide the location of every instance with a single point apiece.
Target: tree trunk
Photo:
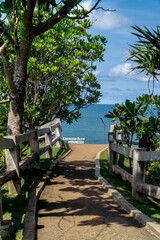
(15, 115)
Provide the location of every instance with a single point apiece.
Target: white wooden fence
(50, 132)
(140, 157)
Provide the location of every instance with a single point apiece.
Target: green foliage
(60, 73)
(2, 154)
(61, 77)
(150, 127)
(21, 21)
(147, 133)
(153, 173)
(128, 117)
(129, 120)
(60, 69)
(4, 108)
(146, 52)
(135, 118)
(123, 163)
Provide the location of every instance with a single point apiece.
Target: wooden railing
(140, 157)
(50, 132)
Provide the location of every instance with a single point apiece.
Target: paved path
(74, 205)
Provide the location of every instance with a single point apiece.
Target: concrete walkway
(74, 205)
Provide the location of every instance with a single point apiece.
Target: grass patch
(14, 207)
(151, 206)
(123, 162)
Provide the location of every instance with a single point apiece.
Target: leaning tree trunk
(15, 115)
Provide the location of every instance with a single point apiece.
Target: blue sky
(117, 82)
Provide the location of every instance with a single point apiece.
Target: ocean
(90, 128)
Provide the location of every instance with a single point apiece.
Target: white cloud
(124, 71)
(126, 55)
(109, 20)
(96, 73)
(87, 5)
(105, 20)
(120, 70)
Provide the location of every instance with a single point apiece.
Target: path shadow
(80, 194)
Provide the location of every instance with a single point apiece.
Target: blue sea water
(90, 127)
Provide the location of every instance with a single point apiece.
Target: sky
(117, 81)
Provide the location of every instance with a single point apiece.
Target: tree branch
(4, 32)
(87, 12)
(7, 69)
(3, 47)
(15, 20)
(50, 113)
(44, 26)
(28, 14)
(27, 24)
(106, 10)
(5, 101)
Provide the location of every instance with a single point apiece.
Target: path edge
(30, 221)
(149, 223)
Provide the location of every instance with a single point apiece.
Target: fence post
(120, 137)
(34, 145)
(112, 156)
(113, 130)
(12, 163)
(58, 133)
(48, 140)
(138, 175)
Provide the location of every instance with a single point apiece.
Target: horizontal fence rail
(140, 158)
(128, 152)
(124, 174)
(14, 164)
(6, 143)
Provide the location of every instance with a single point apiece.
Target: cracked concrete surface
(75, 206)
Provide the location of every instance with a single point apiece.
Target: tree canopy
(21, 22)
(61, 73)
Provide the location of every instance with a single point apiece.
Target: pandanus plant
(146, 52)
